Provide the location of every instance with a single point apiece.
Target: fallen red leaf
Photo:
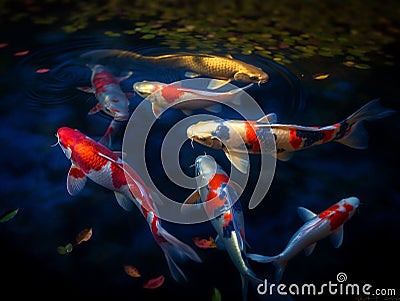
(154, 282)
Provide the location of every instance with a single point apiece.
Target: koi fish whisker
(191, 143)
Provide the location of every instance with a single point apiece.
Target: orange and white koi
(111, 99)
(317, 226)
(163, 96)
(220, 200)
(223, 68)
(90, 159)
(281, 140)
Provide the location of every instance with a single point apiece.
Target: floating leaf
(321, 76)
(42, 70)
(216, 295)
(362, 66)
(204, 243)
(84, 235)
(64, 250)
(154, 282)
(148, 36)
(21, 53)
(132, 271)
(8, 215)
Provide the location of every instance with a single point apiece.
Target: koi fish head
(205, 133)
(117, 108)
(340, 212)
(67, 139)
(205, 167)
(146, 88)
(251, 75)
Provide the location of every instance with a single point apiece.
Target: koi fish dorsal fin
(336, 237)
(238, 160)
(123, 201)
(269, 118)
(305, 214)
(310, 249)
(76, 180)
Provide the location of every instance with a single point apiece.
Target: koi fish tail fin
(245, 284)
(279, 264)
(175, 251)
(352, 132)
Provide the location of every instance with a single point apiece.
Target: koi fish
(219, 196)
(281, 140)
(163, 96)
(90, 159)
(225, 69)
(327, 223)
(111, 99)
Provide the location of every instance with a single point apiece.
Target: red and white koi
(111, 99)
(235, 137)
(163, 96)
(90, 159)
(218, 195)
(317, 226)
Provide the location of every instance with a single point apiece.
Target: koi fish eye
(253, 77)
(201, 138)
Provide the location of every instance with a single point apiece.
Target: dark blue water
(33, 178)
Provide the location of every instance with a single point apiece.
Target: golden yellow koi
(214, 66)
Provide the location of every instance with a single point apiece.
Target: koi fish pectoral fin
(336, 237)
(97, 108)
(124, 202)
(157, 109)
(305, 214)
(284, 156)
(87, 89)
(76, 180)
(192, 203)
(219, 243)
(217, 83)
(269, 118)
(191, 74)
(239, 160)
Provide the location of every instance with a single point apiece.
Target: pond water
(314, 80)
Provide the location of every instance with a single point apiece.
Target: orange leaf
(84, 235)
(132, 271)
(21, 53)
(204, 243)
(154, 282)
(320, 76)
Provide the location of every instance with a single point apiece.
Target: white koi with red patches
(93, 160)
(327, 223)
(281, 140)
(162, 96)
(221, 202)
(111, 99)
